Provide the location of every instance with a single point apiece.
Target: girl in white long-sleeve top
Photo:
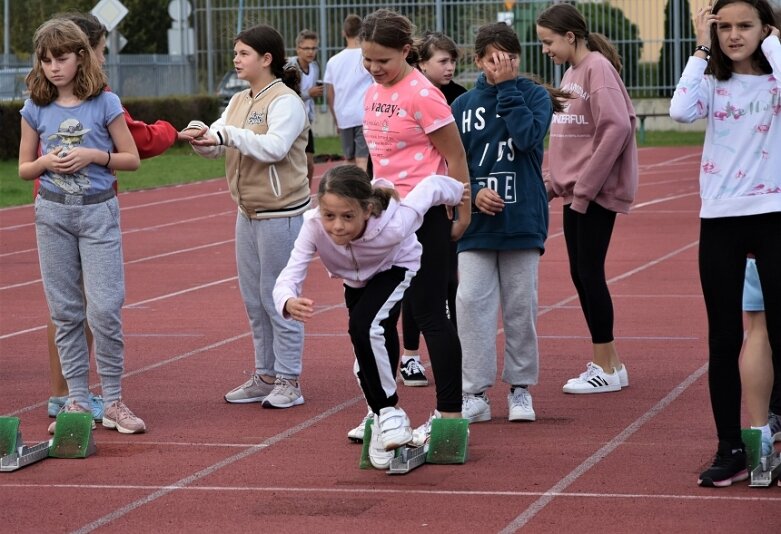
(366, 236)
(733, 80)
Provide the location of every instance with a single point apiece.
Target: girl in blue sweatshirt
(503, 122)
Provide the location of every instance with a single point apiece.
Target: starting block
(73, 436)
(13, 453)
(447, 445)
(762, 469)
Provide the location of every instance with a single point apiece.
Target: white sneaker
(393, 428)
(520, 405)
(356, 434)
(594, 380)
(421, 434)
(378, 456)
(623, 376)
(476, 408)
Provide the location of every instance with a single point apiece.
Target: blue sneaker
(96, 407)
(56, 404)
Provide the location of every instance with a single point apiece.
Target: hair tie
(586, 37)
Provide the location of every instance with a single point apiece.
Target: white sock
(765, 431)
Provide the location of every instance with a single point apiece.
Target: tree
(668, 76)
(145, 26)
(601, 18)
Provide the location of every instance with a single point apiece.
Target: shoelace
(283, 386)
(469, 401)
(591, 371)
(522, 397)
(413, 366)
(123, 412)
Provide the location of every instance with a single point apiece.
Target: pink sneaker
(117, 415)
(71, 407)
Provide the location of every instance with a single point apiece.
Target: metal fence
(654, 38)
(640, 29)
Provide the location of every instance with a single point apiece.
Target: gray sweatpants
(262, 250)
(75, 243)
(486, 279)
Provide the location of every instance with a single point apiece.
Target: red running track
(596, 463)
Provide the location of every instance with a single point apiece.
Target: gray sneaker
(284, 395)
(253, 390)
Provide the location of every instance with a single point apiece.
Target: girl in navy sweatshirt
(503, 122)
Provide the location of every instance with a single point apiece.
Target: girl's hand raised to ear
(703, 21)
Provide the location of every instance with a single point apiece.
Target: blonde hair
(59, 37)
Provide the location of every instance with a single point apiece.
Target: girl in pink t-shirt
(411, 134)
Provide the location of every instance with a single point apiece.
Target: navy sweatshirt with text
(503, 127)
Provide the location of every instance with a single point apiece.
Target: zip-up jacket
(389, 240)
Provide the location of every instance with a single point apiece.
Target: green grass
(181, 165)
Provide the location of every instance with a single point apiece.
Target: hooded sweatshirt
(389, 240)
(503, 127)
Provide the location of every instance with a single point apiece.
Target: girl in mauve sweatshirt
(593, 168)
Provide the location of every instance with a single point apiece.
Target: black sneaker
(412, 374)
(728, 466)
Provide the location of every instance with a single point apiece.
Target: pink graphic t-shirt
(396, 122)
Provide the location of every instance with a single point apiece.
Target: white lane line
(557, 489)
(203, 473)
(167, 361)
(758, 497)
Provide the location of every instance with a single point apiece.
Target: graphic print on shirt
(70, 134)
(565, 117)
(501, 182)
(397, 122)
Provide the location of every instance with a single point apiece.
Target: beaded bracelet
(703, 48)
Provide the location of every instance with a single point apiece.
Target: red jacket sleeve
(151, 139)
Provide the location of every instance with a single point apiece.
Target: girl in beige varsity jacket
(262, 134)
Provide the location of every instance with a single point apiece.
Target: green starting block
(13, 453)
(73, 436)
(10, 436)
(447, 445)
(762, 469)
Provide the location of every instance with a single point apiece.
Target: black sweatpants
(588, 237)
(374, 312)
(724, 244)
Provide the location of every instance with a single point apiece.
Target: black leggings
(425, 303)
(588, 238)
(724, 244)
(409, 329)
